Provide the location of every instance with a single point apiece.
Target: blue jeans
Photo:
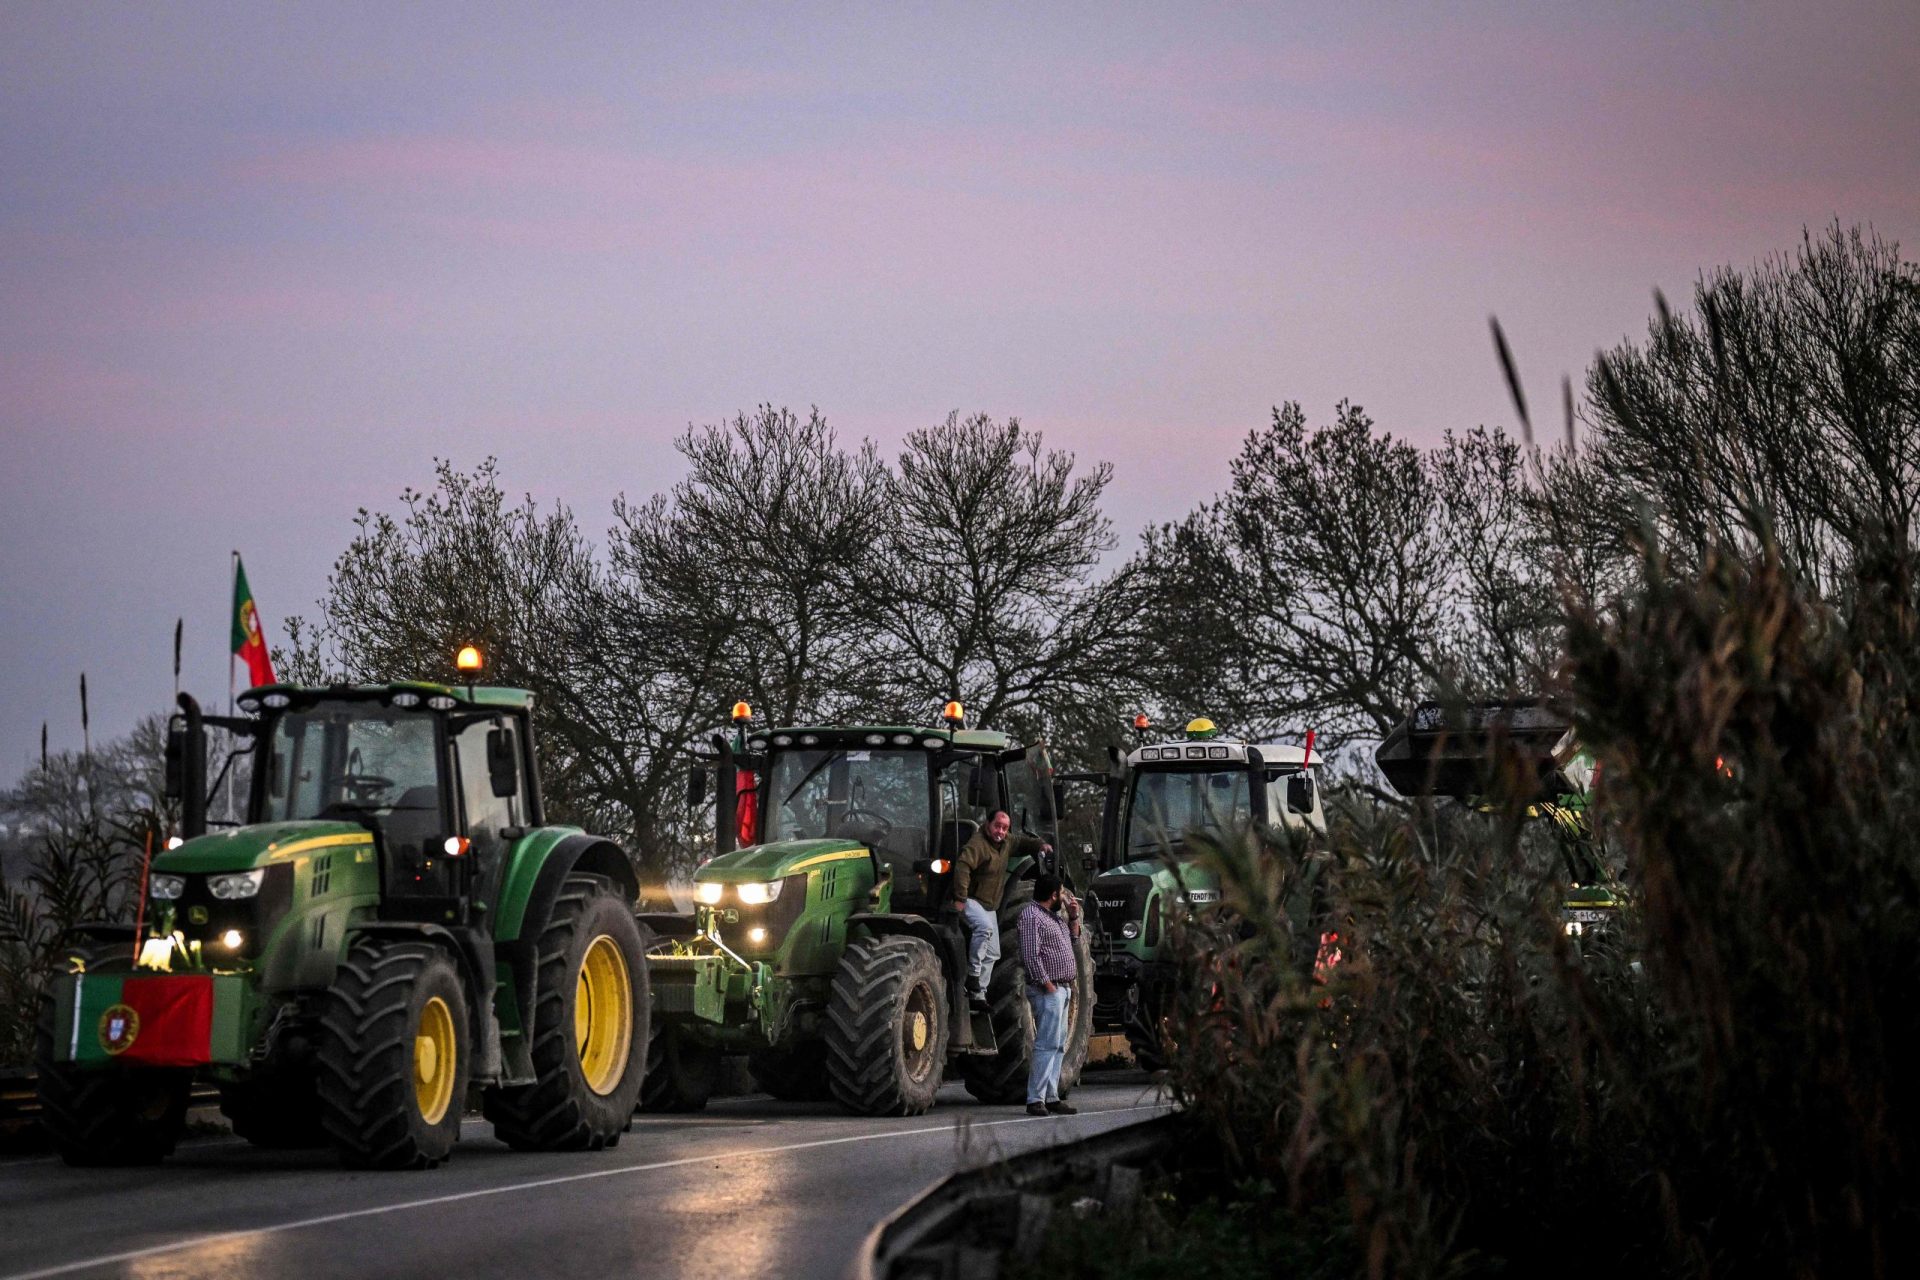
(1049, 1041)
(983, 946)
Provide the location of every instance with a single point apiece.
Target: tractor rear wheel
(887, 1027)
(276, 1110)
(395, 1045)
(794, 1074)
(108, 1115)
(680, 1071)
(589, 1028)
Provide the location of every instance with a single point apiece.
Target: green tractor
(1524, 747)
(394, 924)
(826, 948)
(1163, 799)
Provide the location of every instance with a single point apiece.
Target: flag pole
(233, 589)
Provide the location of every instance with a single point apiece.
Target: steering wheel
(881, 820)
(363, 788)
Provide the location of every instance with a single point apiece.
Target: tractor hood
(245, 848)
(780, 858)
(1152, 868)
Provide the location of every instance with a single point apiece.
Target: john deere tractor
(394, 925)
(826, 948)
(1164, 800)
(1524, 748)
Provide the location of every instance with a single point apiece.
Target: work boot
(976, 998)
(1036, 1108)
(1059, 1108)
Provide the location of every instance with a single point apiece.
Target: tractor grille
(1118, 899)
(203, 918)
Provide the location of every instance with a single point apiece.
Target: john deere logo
(119, 1026)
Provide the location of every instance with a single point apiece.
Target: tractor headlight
(241, 884)
(708, 891)
(167, 887)
(1131, 929)
(753, 893)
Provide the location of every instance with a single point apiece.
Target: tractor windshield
(878, 797)
(1167, 806)
(355, 761)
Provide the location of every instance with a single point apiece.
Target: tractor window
(355, 761)
(877, 797)
(1170, 805)
(485, 812)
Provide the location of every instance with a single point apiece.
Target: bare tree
(989, 581)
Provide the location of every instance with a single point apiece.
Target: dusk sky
(260, 265)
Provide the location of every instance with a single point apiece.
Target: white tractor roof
(1217, 751)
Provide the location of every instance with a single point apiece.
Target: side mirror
(503, 764)
(1300, 792)
(696, 786)
(176, 761)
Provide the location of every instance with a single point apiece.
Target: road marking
(221, 1237)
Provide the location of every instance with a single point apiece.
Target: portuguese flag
(161, 1021)
(249, 641)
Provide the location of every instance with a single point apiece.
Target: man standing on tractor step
(1046, 948)
(979, 877)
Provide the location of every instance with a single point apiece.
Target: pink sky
(257, 271)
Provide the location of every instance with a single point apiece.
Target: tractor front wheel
(887, 1027)
(395, 1049)
(680, 1071)
(108, 1115)
(589, 1028)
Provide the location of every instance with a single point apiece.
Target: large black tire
(108, 1115)
(276, 1110)
(1002, 1078)
(590, 1016)
(387, 1099)
(887, 1027)
(794, 1074)
(1143, 1032)
(680, 1071)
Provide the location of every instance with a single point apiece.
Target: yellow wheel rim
(436, 1055)
(603, 1015)
(917, 1032)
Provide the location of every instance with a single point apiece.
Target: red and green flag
(249, 640)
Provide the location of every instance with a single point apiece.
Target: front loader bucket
(1468, 750)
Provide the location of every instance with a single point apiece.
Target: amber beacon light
(469, 659)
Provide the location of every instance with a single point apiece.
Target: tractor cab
(440, 777)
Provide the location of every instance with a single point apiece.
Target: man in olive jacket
(979, 878)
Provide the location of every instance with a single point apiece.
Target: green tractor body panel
(525, 860)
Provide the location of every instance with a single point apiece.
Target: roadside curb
(926, 1236)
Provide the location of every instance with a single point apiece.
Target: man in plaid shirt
(1046, 949)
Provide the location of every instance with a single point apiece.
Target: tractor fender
(669, 924)
(539, 866)
(472, 952)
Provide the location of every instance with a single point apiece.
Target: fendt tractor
(1164, 801)
(1521, 747)
(393, 925)
(827, 948)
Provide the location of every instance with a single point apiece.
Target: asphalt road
(750, 1187)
